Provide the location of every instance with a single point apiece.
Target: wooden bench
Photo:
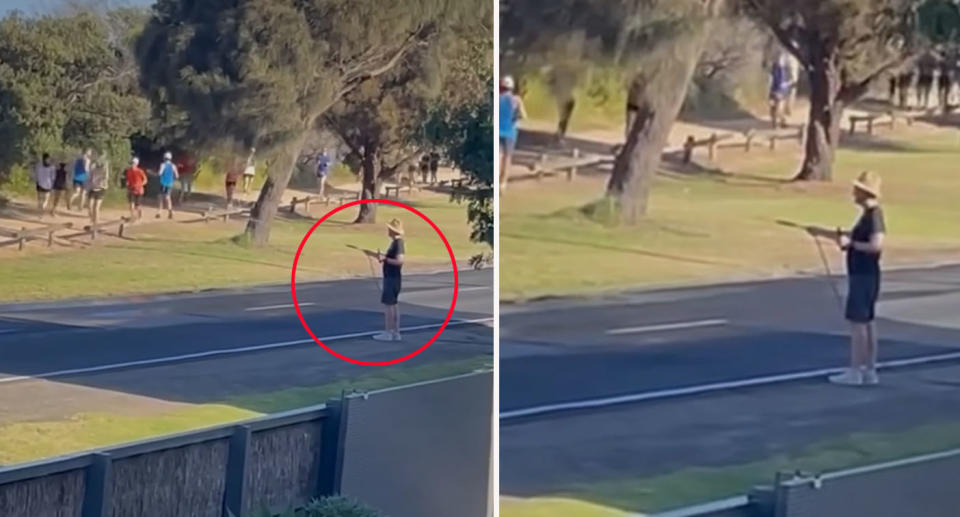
(711, 143)
(546, 167)
(21, 236)
(224, 214)
(388, 188)
(872, 120)
(341, 198)
(305, 201)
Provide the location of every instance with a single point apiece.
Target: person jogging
(863, 245)
(59, 186)
(434, 167)
(81, 168)
(187, 170)
(136, 179)
(511, 111)
(99, 182)
(230, 182)
(392, 279)
(779, 90)
(168, 177)
(250, 171)
(44, 176)
(323, 171)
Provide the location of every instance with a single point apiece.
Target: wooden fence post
(22, 237)
(749, 144)
(99, 486)
(237, 459)
(712, 146)
(572, 172)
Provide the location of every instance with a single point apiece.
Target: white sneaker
(396, 336)
(870, 377)
(850, 377)
(383, 336)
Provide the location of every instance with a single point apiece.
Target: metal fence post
(332, 448)
(98, 486)
(235, 484)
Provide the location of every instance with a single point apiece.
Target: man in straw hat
(392, 264)
(863, 246)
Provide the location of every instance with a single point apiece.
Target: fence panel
(283, 467)
(175, 482)
(422, 451)
(53, 495)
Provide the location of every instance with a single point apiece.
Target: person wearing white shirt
(44, 174)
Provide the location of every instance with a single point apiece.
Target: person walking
(99, 182)
(863, 245)
(230, 182)
(44, 176)
(392, 280)
(136, 179)
(323, 171)
(250, 171)
(59, 186)
(793, 80)
(434, 167)
(187, 171)
(511, 111)
(81, 168)
(168, 177)
(779, 91)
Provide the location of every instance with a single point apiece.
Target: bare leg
(396, 318)
(504, 167)
(387, 318)
(872, 346)
(858, 350)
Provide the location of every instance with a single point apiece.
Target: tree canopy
(261, 72)
(68, 82)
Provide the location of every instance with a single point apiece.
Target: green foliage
(66, 83)
(335, 506)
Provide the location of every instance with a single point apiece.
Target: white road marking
(708, 388)
(228, 351)
(282, 306)
(666, 326)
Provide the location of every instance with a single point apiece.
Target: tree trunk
(657, 100)
(278, 177)
(823, 124)
(370, 172)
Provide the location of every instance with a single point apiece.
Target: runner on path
(230, 182)
(99, 182)
(59, 186)
(511, 110)
(392, 279)
(44, 176)
(81, 168)
(250, 171)
(136, 179)
(168, 177)
(323, 171)
(864, 246)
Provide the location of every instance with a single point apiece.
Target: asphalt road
(587, 350)
(70, 340)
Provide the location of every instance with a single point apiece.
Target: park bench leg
(870, 127)
(120, 232)
(50, 239)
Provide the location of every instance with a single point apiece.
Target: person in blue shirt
(511, 110)
(780, 85)
(168, 177)
(323, 170)
(81, 172)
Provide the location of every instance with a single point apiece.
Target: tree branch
(852, 91)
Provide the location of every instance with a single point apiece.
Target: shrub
(335, 506)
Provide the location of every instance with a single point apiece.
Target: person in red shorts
(136, 179)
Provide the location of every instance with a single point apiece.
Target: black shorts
(391, 290)
(862, 294)
(134, 198)
(507, 145)
(97, 194)
(42, 190)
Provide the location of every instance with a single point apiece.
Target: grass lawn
(698, 485)
(711, 226)
(26, 441)
(196, 256)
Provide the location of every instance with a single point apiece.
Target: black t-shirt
(395, 249)
(870, 223)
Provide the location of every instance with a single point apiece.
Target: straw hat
(869, 182)
(395, 226)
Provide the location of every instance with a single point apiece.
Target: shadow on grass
(620, 249)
